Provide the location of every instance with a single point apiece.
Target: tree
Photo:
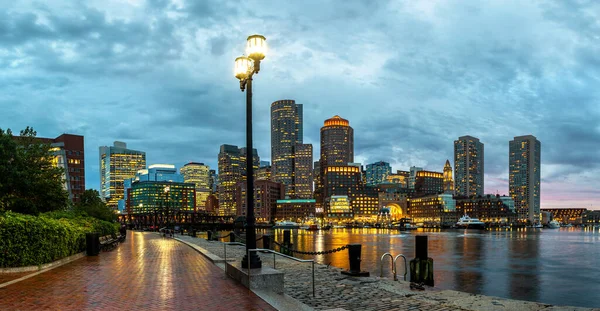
(92, 205)
(29, 181)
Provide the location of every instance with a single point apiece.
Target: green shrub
(27, 240)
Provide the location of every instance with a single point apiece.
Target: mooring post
(231, 236)
(287, 243)
(209, 235)
(266, 241)
(421, 268)
(354, 257)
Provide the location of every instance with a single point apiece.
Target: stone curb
(40, 269)
(277, 301)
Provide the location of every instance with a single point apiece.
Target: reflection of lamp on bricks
(354, 255)
(421, 268)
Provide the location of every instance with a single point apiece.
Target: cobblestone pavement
(332, 289)
(147, 272)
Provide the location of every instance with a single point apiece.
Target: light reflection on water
(560, 267)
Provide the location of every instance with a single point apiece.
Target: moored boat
(467, 222)
(553, 224)
(287, 225)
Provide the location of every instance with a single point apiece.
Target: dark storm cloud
(410, 76)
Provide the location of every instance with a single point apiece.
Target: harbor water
(554, 266)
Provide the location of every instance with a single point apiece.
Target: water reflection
(551, 266)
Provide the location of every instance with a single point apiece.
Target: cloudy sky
(411, 76)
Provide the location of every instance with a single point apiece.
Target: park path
(147, 272)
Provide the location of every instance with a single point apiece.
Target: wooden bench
(107, 242)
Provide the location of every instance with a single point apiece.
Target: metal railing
(393, 262)
(286, 256)
(225, 251)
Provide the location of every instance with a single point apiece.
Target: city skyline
(406, 100)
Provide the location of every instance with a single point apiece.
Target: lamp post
(166, 189)
(245, 68)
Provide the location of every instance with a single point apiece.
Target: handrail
(405, 267)
(381, 264)
(286, 256)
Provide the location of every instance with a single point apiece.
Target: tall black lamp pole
(245, 68)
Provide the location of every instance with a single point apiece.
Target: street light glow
(256, 48)
(242, 67)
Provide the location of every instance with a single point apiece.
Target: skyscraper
(286, 132)
(232, 170)
(118, 163)
(524, 161)
(199, 175)
(303, 171)
(337, 143)
(468, 166)
(378, 172)
(448, 180)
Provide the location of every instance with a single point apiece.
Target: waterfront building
(212, 204)
(264, 173)
(160, 193)
(303, 171)
(198, 174)
(347, 181)
(264, 163)
(566, 215)
(68, 153)
(494, 209)
(286, 134)
(412, 177)
(266, 194)
(437, 210)
(339, 209)
(337, 143)
(468, 167)
(448, 180)
(591, 218)
(428, 182)
(232, 170)
(377, 172)
(524, 162)
(117, 164)
(295, 209)
(400, 178)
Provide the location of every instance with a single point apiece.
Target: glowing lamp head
(242, 67)
(256, 48)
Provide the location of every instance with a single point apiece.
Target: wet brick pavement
(147, 272)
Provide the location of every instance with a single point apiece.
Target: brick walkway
(147, 272)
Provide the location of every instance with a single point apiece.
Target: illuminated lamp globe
(256, 48)
(242, 66)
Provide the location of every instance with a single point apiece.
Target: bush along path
(27, 240)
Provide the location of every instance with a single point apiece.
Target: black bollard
(266, 241)
(287, 243)
(209, 235)
(354, 256)
(231, 236)
(421, 268)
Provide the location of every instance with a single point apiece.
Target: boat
(339, 227)
(553, 224)
(537, 226)
(406, 226)
(467, 222)
(304, 227)
(313, 228)
(287, 225)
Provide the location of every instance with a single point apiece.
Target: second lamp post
(245, 68)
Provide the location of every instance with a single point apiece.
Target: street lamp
(245, 68)
(166, 189)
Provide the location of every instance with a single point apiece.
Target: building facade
(591, 218)
(264, 173)
(198, 174)
(303, 171)
(433, 211)
(412, 176)
(232, 170)
(377, 173)
(295, 209)
(428, 182)
(68, 153)
(286, 134)
(117, 164)
(468, 167)
(448, 180)
(566, 215)
(524, 160)
(266, 195)
(491, 209)
(337, 143)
